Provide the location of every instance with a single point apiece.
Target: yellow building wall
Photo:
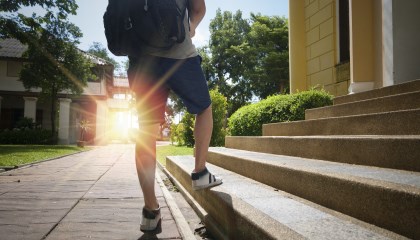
(321, 51)
(297, 43)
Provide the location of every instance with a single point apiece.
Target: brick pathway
(90, 195)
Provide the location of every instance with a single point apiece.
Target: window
(344, 30)
(119, 96)
(14, 68)
(98, 73)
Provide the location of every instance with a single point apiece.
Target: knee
(208, 111)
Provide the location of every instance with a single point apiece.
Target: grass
(171, 150)
(15, 155)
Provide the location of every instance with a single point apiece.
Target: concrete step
(376, 195)
(396, 152)
(246, 209)
(405, 122)
(381, 92)
(384, 104)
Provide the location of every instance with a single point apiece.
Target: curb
(183, 227)
(201, 213)
(4, 169)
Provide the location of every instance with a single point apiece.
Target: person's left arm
(197, 11)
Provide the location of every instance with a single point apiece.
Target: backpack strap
(127, 20)
(182, 17)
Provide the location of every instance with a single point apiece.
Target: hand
(192, 32)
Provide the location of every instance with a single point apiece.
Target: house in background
(350, 46)
(95, 104)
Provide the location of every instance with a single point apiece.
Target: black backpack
(133, 26)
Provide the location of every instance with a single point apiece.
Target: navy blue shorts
(151, 78)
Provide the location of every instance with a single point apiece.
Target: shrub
(183, 133)
(173, 136)
(25, 123)
(248, 120)
(176, 131)
(187, 133)
(26, 136)
(219, 109)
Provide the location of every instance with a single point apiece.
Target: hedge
(219, 107)
(26, 136)
(176, 130)
(183, 133)
(248, 120)
(187, 132)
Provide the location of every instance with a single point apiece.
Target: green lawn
(15, 155)
(170, 150)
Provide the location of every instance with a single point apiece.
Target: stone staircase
(350, 171)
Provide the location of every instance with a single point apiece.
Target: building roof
(96, 60)
(12, 48)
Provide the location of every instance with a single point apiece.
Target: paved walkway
(90, 195)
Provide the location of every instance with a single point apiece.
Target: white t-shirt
(183, 50)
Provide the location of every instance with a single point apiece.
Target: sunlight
(122, 123)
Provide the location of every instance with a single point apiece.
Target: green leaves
(63, 6)
(219, 110)
(248, 120)
(247, 58)
(54, 63)
(100, 51)
(15, 25)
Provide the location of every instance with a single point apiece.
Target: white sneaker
(150, 220)
(204, 179)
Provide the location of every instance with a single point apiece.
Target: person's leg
(201, 177)
(151, 96)
(146, 163)
(189, 83)
(202, 134)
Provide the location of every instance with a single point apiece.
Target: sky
(90, 12)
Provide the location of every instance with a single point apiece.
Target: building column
(64, 121)
(297, 46)
(30, 107)
(101, 136)
(1, 98)
(387, 43)
(361, 45)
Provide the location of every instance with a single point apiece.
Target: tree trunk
(281, 87)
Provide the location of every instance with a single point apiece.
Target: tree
(54, 63)
(14, 25)
(100, 51)
(248, 58)
(269, 54)
(228, 35)
(206, 63)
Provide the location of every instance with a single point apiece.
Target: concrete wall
(406, 40)
(8, 83)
